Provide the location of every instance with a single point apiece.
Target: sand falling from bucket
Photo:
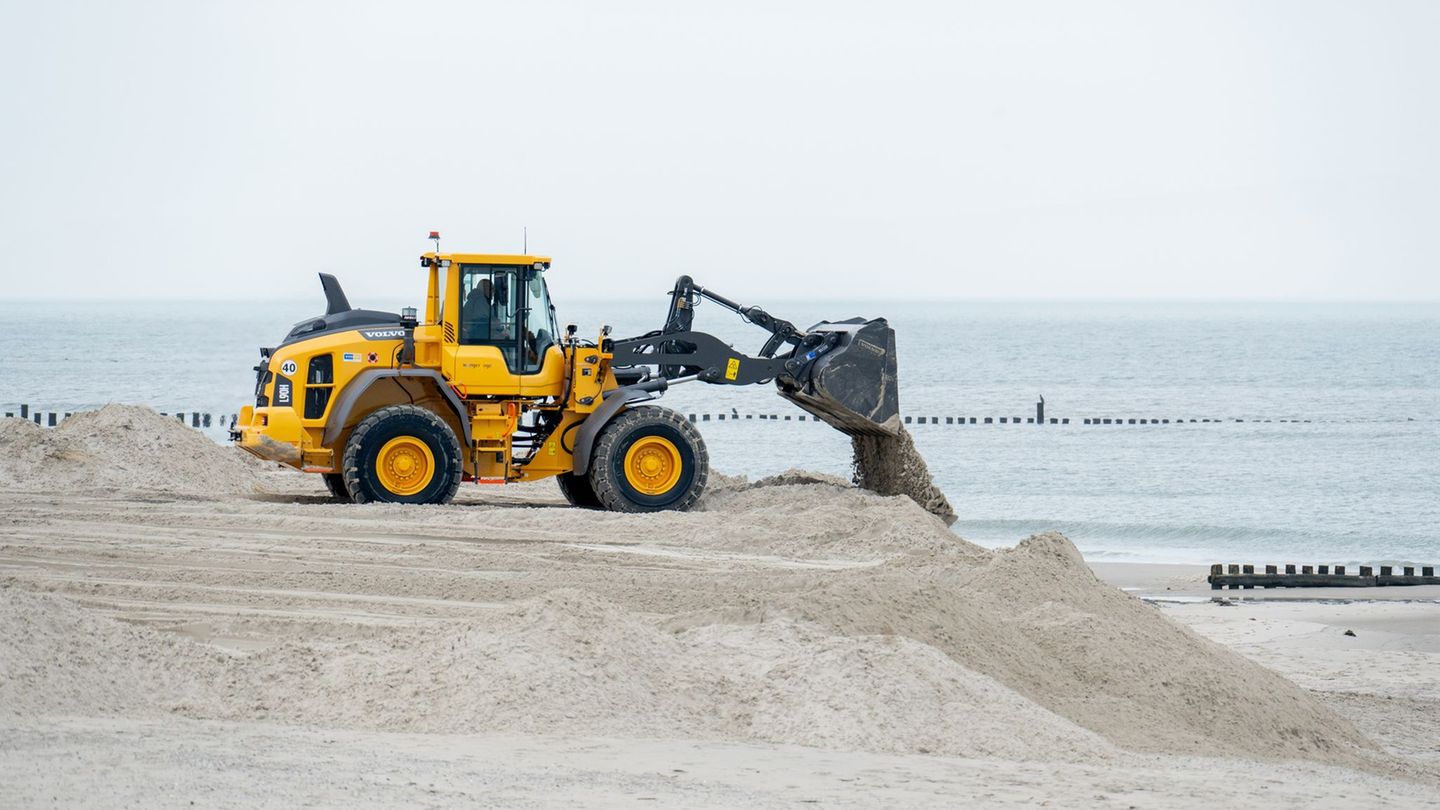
(890, 465)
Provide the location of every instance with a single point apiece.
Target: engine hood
(339, 322)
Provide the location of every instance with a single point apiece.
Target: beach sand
(212, 630)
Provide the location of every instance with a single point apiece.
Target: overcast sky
(1269, 150)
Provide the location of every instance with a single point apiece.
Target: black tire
(335, 482)
(577, 491)
(608, 478)
(363, 481)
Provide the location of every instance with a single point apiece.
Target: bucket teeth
(852, 386)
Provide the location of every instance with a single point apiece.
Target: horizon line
(808, 298)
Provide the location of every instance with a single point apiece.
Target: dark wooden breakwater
(204, 419)
(196, 419)
(1318, 576)
(991, 420)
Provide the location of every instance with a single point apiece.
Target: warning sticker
(372, 357)
(732, 368)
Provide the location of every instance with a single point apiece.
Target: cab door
(542, 362)
(487, 300)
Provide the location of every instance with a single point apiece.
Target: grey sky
(773, 150)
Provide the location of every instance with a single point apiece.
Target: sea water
(1351, 475)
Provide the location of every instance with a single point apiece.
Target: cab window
(540, 331)
(488, 312)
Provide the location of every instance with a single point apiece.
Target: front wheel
(402, 454)
(649, 459)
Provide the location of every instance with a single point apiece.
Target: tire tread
(577, 491)
(335, 484)
(607, 490)
(378, 417)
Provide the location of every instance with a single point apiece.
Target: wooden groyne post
(1317, 576)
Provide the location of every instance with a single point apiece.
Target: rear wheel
(402, 454)
(577, 491)
(649, 459)
(335, 482)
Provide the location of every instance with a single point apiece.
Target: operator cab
(508, 307)
(496, 323)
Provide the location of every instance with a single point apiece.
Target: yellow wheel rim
(652, 465)
(405, 465)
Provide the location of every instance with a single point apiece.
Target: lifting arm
(680, 351)
(843, 372)
(682, 312)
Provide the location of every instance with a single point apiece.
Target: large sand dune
(151, 577)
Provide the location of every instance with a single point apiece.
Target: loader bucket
(852, 387)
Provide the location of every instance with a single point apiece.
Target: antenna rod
(526, 249)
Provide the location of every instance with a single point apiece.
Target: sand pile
(890, 465)
(1037, 620)
(121, 447)
(568, 663)
(794, 609)
(796, 515)
(805, 515)
(882, 662)
(57, 657)
(572, 661)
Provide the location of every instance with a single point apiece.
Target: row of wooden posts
(1318, 576)
(984, 420)
(197, 419)
(1037, 419)
(202, 419)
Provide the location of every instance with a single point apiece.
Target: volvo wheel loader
(486, 388)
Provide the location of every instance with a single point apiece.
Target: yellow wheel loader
(400, 409)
